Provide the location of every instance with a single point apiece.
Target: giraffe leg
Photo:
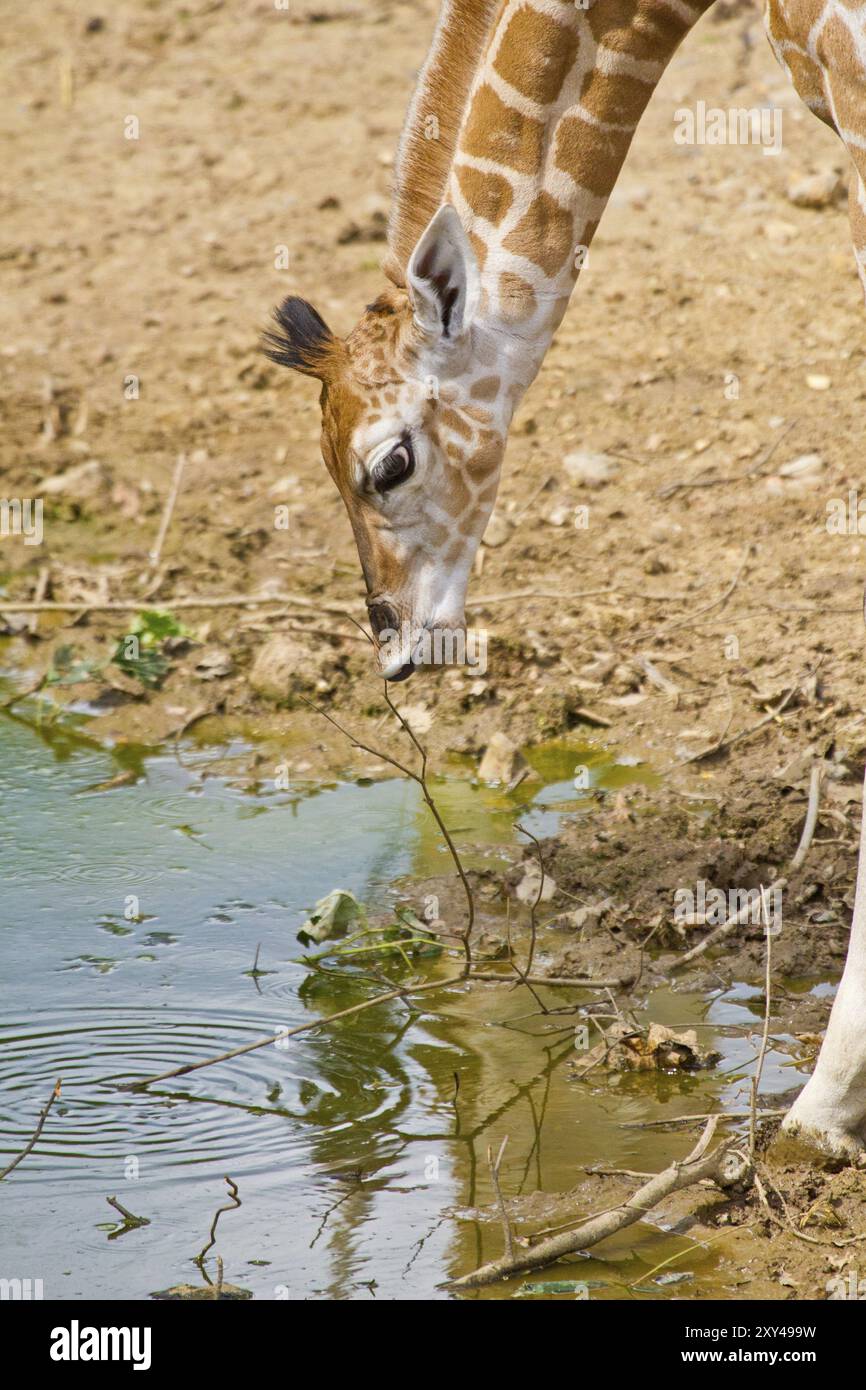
(830, 1111)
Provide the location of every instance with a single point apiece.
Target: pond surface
(129, 922)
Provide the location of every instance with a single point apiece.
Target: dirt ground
(716, 339)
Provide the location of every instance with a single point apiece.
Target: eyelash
(381, 481)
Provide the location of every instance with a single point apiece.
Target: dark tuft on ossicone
(301, 340)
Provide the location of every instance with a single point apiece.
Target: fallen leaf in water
(333, 916)
(654, 1049)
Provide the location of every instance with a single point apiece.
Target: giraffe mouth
(401, 674)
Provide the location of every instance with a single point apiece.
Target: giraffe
(522, 116)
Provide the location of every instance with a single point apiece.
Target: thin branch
(131, 1222)
(235, 1202)
(421, 780)
(43, 1115)
(497, 1187)
(811, 819)
(756, 1079)
(533, 926)
(293, 1032)
(737, 920)
(168, 510)
(184, 601)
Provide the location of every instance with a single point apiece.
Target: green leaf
(333, 916)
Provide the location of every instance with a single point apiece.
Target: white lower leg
(830, 1111)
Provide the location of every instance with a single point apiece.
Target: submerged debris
(626, 1048)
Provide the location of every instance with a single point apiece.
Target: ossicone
(301, 339)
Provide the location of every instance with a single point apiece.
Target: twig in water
(693, 1119)
(756, 1079)
(43, 1115)
(699, 1164)
(235, 1203)
(130, 1220)
(497, 1187)
(811, 818)
(399, 992)
(24, 694)
(292, 1032)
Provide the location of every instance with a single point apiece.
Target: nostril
(382, 617)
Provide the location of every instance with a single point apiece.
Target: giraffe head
(413, 433)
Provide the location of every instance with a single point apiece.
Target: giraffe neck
(553, 108)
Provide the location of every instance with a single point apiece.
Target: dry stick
(754, 472)
(756, 1079)
(129, 1218)
(726, 928)
(534, 908)
(36, 1133)
(168, 510)
(385, 998)
(24, 694)
(811, 818)
(616, 982)
(690, 1119)
(708, 607)
(235, 1203)
(292, 1032)
(484, 600)
(726, 743)
(698, 1165)
(497, 1187)
(342, 610)
(38, 594)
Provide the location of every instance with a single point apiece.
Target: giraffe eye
(394, 468)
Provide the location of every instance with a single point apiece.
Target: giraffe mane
(423, 164)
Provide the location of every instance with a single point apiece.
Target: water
(130, 920)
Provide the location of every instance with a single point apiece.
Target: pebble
(502, 760)
(816, 191)
(590, 469)
(805, 466)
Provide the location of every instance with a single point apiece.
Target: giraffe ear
(301, 340)
(443, 278)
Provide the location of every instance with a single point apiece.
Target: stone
(212, 664)
(527, 889)
(816, 190)
(283, 667)
(85, 480)
(502, 760)
(805, 466)
(589, 469)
